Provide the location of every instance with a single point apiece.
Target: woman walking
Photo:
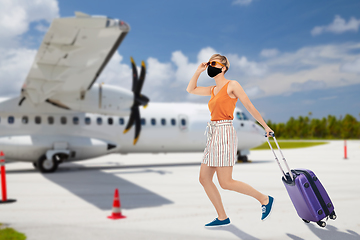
(221, 146)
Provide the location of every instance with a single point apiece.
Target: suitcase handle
(277, 160)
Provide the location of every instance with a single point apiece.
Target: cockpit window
(241, 116)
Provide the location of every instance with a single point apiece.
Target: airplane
(63, 115)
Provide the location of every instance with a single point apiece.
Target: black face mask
(213, 71)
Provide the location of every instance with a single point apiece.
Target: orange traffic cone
(116, 211)
(3, 180)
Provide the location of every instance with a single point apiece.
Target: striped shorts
(221, 144)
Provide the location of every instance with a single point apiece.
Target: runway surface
(162, 198)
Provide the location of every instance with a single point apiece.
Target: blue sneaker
(218, 222)
(266, 209)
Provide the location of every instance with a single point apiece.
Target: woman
(221, 146)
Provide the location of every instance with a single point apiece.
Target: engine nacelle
(99, 99)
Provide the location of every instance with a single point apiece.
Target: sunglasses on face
(213, 64)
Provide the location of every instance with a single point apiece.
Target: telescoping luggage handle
(277, 160)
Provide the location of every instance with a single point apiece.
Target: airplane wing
(72, 55)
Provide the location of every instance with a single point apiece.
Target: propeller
(139, 99)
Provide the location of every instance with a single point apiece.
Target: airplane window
(37, 120)
(11, 119)
(121, 121)
(143, 121)
(183, 122)
(173, 121)
(153, 121)
(110, 121)
(63, 120)
(87, 120)
(244, 116)
(163, 121)
(99, 120)
(25, 120)
(76, 120)
(50, 120)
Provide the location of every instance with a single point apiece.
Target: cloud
(254, 91)
(353, 66)
(269, 53)
(244, 66)
(16, 16)
(14, 66)
(338, 26)
(308, 85)
(242, 2)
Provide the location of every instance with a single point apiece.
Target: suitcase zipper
(316, 191)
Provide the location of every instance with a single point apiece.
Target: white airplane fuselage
(28, 132)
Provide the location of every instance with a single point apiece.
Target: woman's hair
(222, 59)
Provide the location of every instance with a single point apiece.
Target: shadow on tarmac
(97, 187)
(328, 233)
(234, 230)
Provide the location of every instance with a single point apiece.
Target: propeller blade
(131, 119)
(135, 75)
(137, 124)
(138, 100)
(141, 79)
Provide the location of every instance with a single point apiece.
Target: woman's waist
(221, 122)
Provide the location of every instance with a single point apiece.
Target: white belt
(211, 125)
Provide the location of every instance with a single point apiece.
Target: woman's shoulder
(233, 83)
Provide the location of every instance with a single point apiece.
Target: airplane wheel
(242, 158)
(46, 165)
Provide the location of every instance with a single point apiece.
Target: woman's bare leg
(206, 176)
(224, 175)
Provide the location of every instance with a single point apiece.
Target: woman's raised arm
(192, 88)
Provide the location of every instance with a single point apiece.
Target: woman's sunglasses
(213, 64)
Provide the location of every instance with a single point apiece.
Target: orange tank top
(221, 105)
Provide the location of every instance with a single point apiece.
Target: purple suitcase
(306, 192)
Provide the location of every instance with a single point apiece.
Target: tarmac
(162, 198)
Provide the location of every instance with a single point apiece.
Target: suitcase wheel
(321, 223)
(307, 221)
(332, 215)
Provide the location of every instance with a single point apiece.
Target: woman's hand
(268, 131)
(202, 67)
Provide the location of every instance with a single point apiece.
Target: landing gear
(46, 165)
(35, 165)
(242, 158)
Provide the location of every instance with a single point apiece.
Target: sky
(291, 57)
